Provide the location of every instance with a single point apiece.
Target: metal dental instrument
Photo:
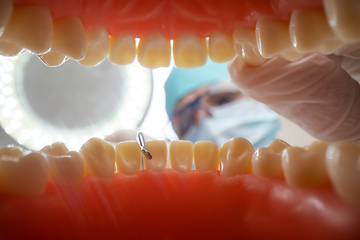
(141, 141)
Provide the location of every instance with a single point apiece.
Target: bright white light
(17, 114)
(6, 78)
(3, 59)
(6, 112)
(73, 143)
(15, 124)
(109, 130)
(8, 130)
(38, 142)
(10, 103)
(8, 66)
(36, 133)
(25, 134)
(59, 139)
(21, 140)
(7, 91)
(1, 71)
(47, 139)
(2, 99)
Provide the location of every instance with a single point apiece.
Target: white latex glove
(314, 92)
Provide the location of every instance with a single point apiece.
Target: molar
(22, 172)
(69, 38)
(221, 47)
(99, 158)
(291, 54)
(128, 157)
(189, 51)
(343, 167)
(97, 46)
(266, 161)
(154, 51)
(206, 156)
(235, 157)
(30, 28)
(9, 49)
(6, 9)
(181, 155)
(246, 46)
(158, 150)
(330, 46)
(53, 59)
(305, 168)
(122, 49)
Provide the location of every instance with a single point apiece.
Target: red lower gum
(171, 18)
(170, 205)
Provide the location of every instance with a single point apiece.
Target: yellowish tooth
(206, 156)
(330, 46)
(343, 167)
(266, 161)
(53, 59)
(154, 51)
(246, 46)
(69, 38)
(30, 28)
(122, 49)
(309, 29)
(158, 150)
(6, 9)
(291, 54)
(9, 49)
(305, 168)
(235, 157)
(128, 157)
(221, 47)
(272, 37)
(22, 173)
(189, 51)
(55, 149)
(344, 18)
(181, 155)
(99, 158)
(97, 46)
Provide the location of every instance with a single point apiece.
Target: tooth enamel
(69, 38)
(128, 157)
(291, 54)
(99, 158)
(344, 18)
(55, 149)
(158, 150)
(272, 37)
(206, 156)
(23, 174)
(235, 157)
(6, 9)
(221, 47)
(9, 49)
(330, 46)
(343, 166)
(189, 51)
(181, 155)
(305, 168)
(30, 28)
(154, 51)
(309, 29)
(53, 59)
(122, 49)
(97, 46)
(246, 46)
(266, 161)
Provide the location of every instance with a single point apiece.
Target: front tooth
(99, 158)
(343, 166)
(246, 46)
(154, 51)
(305, 168)
(6, 9)
(235, 157)
(69, 38)
(53, 59)
(97, 46)
(30, 28)
(330, 46)
(23, 174)
(189, 51)
(158, 150)
(9, 49)
(221, 47)
(128, 157)
(309, 29)
(266, 161)
(181, 155)
(344, 18)
(206, 156)
(272, 37)
(291, 54)
(122, 49)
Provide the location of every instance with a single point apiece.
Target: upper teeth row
(308, 30)
(318, 165)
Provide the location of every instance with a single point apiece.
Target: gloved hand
(315, 92)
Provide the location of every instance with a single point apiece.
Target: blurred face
(194, 106)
